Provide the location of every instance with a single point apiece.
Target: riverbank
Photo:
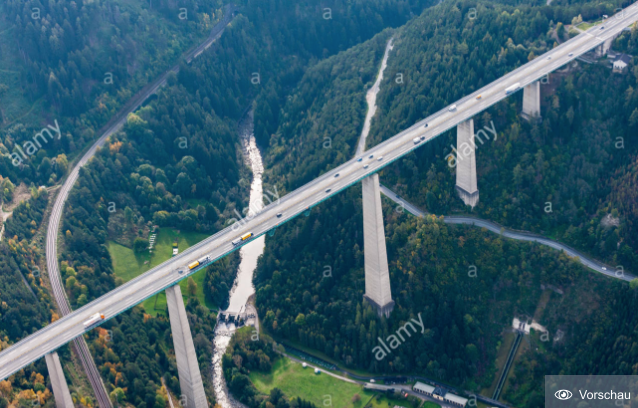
(242, 292)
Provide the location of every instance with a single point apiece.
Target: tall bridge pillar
(378, 291)
(466, 163)
(190, 379)
(532, 101)
(58, 382)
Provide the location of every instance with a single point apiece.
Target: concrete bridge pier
(190, 379)
(58, 382)
(378, 292)
(466, 163)
(532, 101)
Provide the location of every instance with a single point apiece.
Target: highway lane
(517, 235)
(111, 127)
(309, 195)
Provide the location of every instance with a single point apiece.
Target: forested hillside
(25, 303)
(177, 163)
(77, 63)
(310, 286)
(557, 177)
(310, 279)
(324, 115)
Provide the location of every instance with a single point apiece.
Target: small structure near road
(439, 393)
(621, 63)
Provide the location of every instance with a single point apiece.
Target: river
(243, 287)
(371, 98)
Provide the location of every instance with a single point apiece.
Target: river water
(243, 287)
(371, 98)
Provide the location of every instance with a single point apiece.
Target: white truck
(512, 88)
(95, 319)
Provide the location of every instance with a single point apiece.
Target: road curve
(111, 127)
(517, 235)
(299, 201)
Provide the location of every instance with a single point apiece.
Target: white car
(380, 158)
(571, 54)
(416, 140)
(452, 108)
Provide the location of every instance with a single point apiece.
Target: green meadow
(127, 264)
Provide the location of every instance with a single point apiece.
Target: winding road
(111, 127)
(517, 235)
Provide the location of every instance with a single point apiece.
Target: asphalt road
(111, 127)
(518, 235)
(293, 204)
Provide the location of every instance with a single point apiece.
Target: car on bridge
(416, 140)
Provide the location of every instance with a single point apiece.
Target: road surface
(111, 127)
(518, 235)
(172, 271)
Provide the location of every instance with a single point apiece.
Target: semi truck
(243, 238)
(95, 319)
(198, 262)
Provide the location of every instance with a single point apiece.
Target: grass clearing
(296, 381)
(127, 264)
(379, 400)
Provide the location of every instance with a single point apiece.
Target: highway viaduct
(166, 276)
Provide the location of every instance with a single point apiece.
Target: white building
(621, 63)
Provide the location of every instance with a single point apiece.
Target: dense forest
(27, 216)
(559, 177)
(315, 297)
(567, 158)
(25, 303)
(79, 63)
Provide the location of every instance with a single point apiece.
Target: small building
(442, 394)
(455, 399)
(621, 63)
(423, 388)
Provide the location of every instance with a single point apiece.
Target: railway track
(79, 344)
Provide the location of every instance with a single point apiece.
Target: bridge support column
(58, 382)
(190, 379)
(603, 48)
(532, 101)
(466, 163)
(378, 291)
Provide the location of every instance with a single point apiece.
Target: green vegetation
(27, 216)
(78, 63)
(127, 265)
(570, 158)
(296, 381)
